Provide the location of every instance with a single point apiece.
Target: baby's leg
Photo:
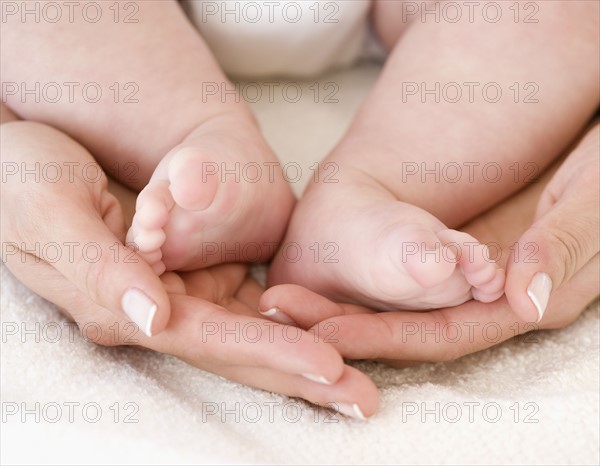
(547, 71)
(416, 153)
(160, 65)
(166, 111)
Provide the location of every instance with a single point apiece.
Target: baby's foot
(352, 241)
(219, 196)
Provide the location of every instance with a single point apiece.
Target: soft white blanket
(527, 401)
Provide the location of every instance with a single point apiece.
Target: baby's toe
(492, 290)
(193, 179)
(151, 216)
(423, 258)
(480, 271)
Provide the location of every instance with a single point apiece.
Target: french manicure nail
(539, 292)
(350, 410)
(140, 309)
(275, 314)
(316, 378)
(269, 312)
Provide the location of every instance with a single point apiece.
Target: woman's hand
(563, 240)
(214, 327)
(61, 226)
(63, 237)
(557, 217)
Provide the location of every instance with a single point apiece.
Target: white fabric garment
(281, 38)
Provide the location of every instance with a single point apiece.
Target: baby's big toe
(423, 257)
(194, 180)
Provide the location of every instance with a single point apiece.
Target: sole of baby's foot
(219, 196)
(354, 242)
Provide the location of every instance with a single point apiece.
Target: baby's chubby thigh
(281, 38)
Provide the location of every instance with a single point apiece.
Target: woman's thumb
(564, 237)
(111, 274)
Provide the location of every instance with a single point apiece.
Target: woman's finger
(354, 394)
(295, 305)
(61, 221)
(206, 334)
(423, 336)
(565, 235)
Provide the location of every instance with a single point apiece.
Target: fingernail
(539, 292)
(140, 309)
(276, 315)
(316, 378)
(350, 410)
